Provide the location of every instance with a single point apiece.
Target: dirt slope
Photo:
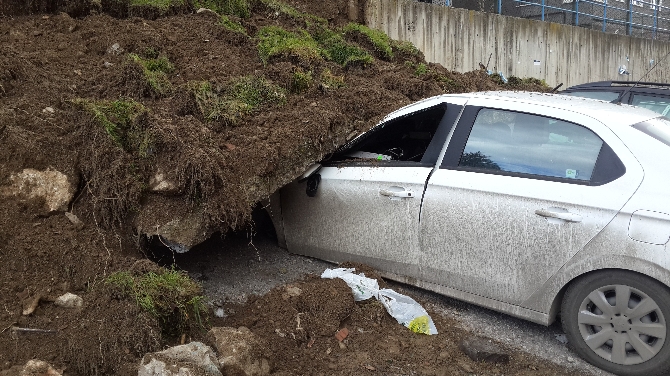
(113, 102)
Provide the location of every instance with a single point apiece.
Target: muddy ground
(63, 76)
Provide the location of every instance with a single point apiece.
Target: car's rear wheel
(618, 321)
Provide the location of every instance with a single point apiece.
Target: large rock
(240, 351)
(177, 225)
(53, 186)
(192, 359)
(33, 367)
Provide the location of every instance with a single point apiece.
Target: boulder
(160, 183)
(38, 368)
(193, 359)
(240, 351)
(69, 300)
(53, 186)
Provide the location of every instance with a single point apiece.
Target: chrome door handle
(566, 215)
(401, 194)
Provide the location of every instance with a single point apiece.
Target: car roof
(608, 113)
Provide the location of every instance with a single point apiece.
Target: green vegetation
(275, 41)
(241, 97)
(279, 8)
(405, 48)
(121, 120)
(514, 81)
(232, 25)
(301, 81)
(329, 81)
(163, 6)
(336, 49)
(380, 41)
(421, 69)
(237, 8)
(170, 296)
(155, 72)
(310, 48)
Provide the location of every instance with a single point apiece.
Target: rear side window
(658, 128)
(657, 104)
(607, 96)
(515, 142)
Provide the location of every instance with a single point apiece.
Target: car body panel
(390, 234)
(497, 246)
(382, 229)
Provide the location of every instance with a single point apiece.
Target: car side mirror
(313, 184)
(309, 172)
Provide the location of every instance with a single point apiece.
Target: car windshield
(607, 96)
(658, 128)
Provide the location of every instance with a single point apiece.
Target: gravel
(236, 267)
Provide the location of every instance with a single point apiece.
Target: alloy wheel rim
(622, 324)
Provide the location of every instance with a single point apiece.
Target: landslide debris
(171, 122)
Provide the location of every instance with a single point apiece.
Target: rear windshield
(658, 128)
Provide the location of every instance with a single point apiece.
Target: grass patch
(120, 119)
(163, 6)
(170, 296)
(330, 82)
(380, 41)
(275, 41)
(237, 8)
(232, 25)
(301, 81)
(240, 97)
(405, 48)
(335, 48)
(421, 69)
(279, 8)
(155, 72)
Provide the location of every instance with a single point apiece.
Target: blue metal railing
(647, 18)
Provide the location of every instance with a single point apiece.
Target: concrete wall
(460, 39)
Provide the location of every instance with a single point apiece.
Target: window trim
(607, 168)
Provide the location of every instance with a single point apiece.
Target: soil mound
(172, 123)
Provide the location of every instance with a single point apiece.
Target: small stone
(342, 334)
(483, 350)
(570, 360)
(107, 64)
(36, 367)
(194, 358)
(293, 291)
(78, 224)
(69, 300)
(230, 146)
(48, 110)
(313, 104)
(240, 351)
(31, 305)
(115, 49)
(342, 345)
(37, 33)
(219, 312)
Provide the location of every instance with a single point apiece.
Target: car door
(367, 204)
(517, 194)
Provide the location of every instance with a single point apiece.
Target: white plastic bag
(401, 307)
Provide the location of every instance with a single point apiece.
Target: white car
(526, 203)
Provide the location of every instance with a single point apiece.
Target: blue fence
(641, 18)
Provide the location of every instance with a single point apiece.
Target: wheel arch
(548, 298)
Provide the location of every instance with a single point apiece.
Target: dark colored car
(650, 95)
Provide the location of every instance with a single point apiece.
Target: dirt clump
(375, 342)
(218, 109)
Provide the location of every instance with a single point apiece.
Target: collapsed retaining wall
(460, 39)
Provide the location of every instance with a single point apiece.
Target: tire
(610, 336)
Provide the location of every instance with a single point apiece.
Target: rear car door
(521, 189)
(368, 200)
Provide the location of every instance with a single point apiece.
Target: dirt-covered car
(530, 204)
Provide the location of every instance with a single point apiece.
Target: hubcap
(622, 324)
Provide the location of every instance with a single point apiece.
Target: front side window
(507, 141)
(404, 139)
(657, 104)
